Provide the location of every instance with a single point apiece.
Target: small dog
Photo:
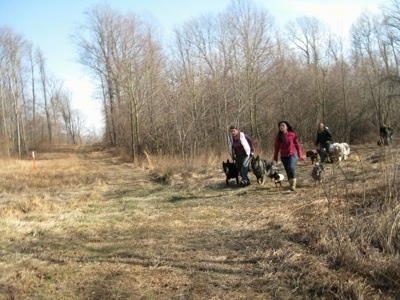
(277, 178)
(261, 168)
(231, 171)
(313, 155)
(346, 151)
(318, 173)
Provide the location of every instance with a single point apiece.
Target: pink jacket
(288, 147)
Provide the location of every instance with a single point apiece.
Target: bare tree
(73, 120)
(250, 30)
(370, 66)
(311, 41)
(46, 102)
(13, 49)
(96, 43)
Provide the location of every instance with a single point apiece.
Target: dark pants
(242, 163)
(323, 150)
(289, 164)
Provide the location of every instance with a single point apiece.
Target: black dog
(261, 168)
(230, 171)
(313, 155)
(277, 178)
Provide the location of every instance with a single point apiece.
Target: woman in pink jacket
(287, 144)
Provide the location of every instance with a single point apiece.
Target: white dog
(346, 151)
(339, 151)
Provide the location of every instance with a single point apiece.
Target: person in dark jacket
(386, 132)
(323, 141)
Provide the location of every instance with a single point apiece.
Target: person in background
(390, 129)
(386, 132)
(323, 141)
(287, 144)
(241, 150)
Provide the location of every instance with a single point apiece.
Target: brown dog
(313, 155)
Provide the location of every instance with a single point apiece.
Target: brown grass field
(82, 223)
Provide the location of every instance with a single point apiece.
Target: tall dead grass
(359, 231)
(94, 226)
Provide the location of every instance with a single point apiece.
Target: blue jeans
(289, 163)
(242, 163)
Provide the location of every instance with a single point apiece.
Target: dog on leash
(231, 171)
(313, 155)
(261, 168)
(318, 173)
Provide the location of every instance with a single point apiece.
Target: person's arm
(298, 147)
(245, 143)
(251, 144)
(230, 146)
(328, 134)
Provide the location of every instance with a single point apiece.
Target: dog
(346, 151)
(339, 152)
(261, 168)
(277, 178)
(313, 155)
(336, 152)
(317, 173)
(231, 171)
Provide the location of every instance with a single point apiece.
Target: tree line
(177, 96)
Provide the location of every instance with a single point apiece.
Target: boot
(292, 182)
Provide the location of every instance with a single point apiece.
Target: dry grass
(87, 225)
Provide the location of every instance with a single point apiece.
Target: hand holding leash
(304, 160)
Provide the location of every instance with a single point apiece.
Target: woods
(176, 95)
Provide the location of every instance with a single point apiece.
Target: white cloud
(339, 15)
(83, 99)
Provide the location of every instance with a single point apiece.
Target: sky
(49, 24)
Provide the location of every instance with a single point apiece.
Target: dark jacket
(323, 136)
